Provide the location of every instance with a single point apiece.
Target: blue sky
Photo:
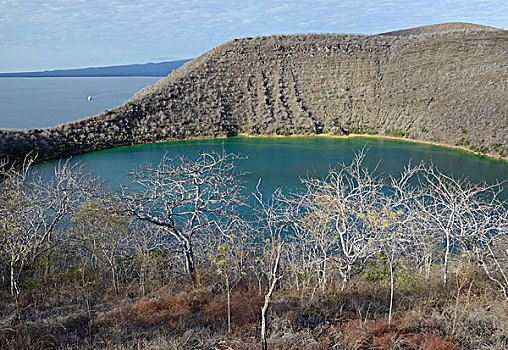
(39, 35)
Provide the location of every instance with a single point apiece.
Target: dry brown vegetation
(351, 261)
(466, 315)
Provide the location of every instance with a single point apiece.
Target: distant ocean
(43, 102)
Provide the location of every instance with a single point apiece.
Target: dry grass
(466, 314)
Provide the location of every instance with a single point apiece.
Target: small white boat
(89, 98)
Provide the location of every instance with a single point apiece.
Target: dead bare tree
(487, 236)
(101, 228)
(273, 224)
(493, 258)
(31, 207)
(228, 256)
(149, 240)
(337, 211)
(455, 210)
(186, 197)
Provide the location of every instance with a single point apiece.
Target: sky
(60, 34)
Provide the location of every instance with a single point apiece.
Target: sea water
(43, 102)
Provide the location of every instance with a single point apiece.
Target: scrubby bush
(353, 260)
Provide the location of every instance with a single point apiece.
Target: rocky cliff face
(445, 83)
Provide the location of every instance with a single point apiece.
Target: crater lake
(282, 161)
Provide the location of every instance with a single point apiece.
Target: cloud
(125, 31)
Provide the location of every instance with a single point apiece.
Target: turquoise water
(44, 102)
(280, 162)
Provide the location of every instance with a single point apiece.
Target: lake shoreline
(349, 136)
(82, 149)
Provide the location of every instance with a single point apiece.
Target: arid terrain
(444, 83)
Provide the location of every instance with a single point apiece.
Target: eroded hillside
(446, 83)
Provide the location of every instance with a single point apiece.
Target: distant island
(160, 69)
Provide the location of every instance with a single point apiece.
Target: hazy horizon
(95, 67)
